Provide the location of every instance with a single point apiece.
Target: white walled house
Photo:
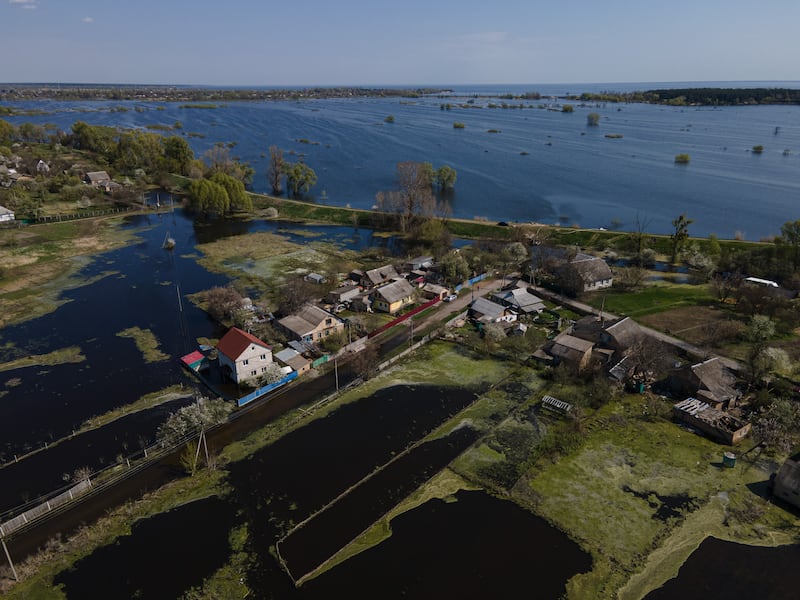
(242, 356)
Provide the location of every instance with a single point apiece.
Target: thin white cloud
(29, 4)
(87, 20)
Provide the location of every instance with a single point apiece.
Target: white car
(450, 298)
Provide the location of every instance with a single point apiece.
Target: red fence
(402, 318)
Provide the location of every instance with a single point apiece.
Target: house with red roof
(242, 356)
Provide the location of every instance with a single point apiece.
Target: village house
(717, 424)
(311, 324)
(380, 276)
(484, 310)
(433, 290)
(6, 215)
(585, 273)
(342, 295)
(242, 356)
(569, 350)
(710, 381)
(420, 263)
(575, 272)
(392, 297)
(98, 179)
(294, 359)
(519, 299)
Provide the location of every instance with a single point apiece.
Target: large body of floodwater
(515, 164)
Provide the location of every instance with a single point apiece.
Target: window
(245, 361)
(328, 322)
(263, 357)
(253, 373)
(263, 369)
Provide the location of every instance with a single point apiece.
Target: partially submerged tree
(275, 170)
(300, 178)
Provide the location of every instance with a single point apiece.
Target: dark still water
(476, 547)
(163, 557)
(513, 164)
(719, 569)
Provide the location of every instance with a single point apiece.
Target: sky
(410, 42)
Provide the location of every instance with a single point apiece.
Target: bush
(682, 159)
(593, 119)
(758, 149)
(458, 125)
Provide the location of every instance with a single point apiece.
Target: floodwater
(476, 547)
(513, 164)
(720, 569)
(163, 557)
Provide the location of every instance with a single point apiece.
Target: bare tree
(275, 169)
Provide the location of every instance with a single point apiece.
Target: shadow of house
(787, 482)
(709, 381)
(716, 424)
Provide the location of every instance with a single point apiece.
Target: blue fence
(470, 282)
(267, 388)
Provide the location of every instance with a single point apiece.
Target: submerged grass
(146, 342)
(63, 356)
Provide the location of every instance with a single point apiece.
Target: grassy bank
(63, 356)
(146, 342)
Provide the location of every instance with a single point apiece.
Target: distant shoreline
(688, 96)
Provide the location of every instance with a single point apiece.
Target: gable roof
(395, 291)
(306, 320)
(591, 269)
(487, 308)
(98, 177)
(235, 341)
(520, 298)
(625, 332)
(570, 348)
(382, 274)
(716, 381)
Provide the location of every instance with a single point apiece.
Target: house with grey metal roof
(520, 299)
(311, 324)
(380, 276)
(393, 296)
(484, 310)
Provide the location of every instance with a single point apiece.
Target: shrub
(568, 108)
(758, 149)
(458, 125)
(389, 119)
(593, 119)
(682, 159)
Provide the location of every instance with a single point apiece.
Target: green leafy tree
(568, 108)
(593, 119)
(300, 178)
(178, 155)
(789, 242)
(679, 236)
(209, 197)
(7, 133)
(237, 196)
(446, 177)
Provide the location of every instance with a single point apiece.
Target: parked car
(450, 298)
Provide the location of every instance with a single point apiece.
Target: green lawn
(652, 299)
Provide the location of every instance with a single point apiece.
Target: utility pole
(8, 556)
(336, 373)
(411, 339)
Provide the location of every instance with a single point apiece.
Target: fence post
(10, 562)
